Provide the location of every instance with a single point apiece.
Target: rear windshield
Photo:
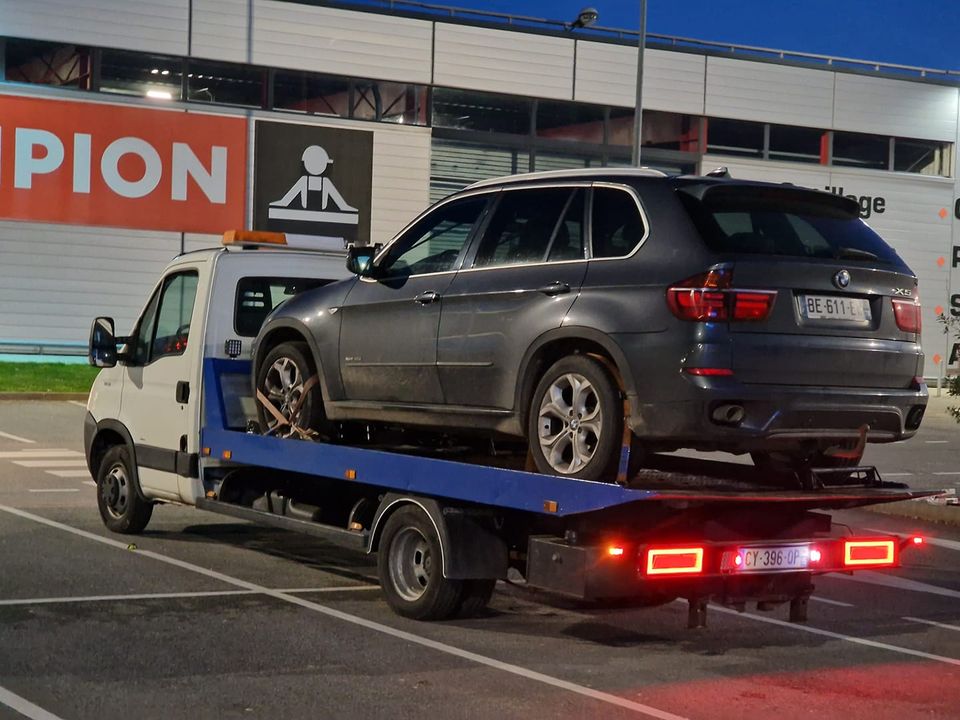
(774, 221)
(258, 296)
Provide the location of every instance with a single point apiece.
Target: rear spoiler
(734, 196)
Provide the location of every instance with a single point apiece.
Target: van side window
(140, 342)
(173, 318)
(257, 297)
(523, 224)
(618, 226)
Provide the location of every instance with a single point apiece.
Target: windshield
(787, 221)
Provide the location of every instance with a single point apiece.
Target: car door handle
(425, 298)
(183, 392)
(554, 288)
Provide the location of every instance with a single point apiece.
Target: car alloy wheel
(570, 423)
(283, 386)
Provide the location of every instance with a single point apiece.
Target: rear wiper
(849, 253)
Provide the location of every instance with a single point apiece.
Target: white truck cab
(143, 413)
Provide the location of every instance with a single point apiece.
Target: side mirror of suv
(360, 259)
(103, 343)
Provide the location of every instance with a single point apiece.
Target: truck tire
(575, 423)
(122, 507)
(281, 377)
(475, 597)
(409, 563)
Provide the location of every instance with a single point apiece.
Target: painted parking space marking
(828, 601)
(936, 442)
(945, 626)
(948, 472)
(53, 463)
(80, 473)
(898, 474)
(32, 454)
(17, 438)
(412, 638)
(174, 595)
(90, 482)
(77, 403)
(897, 583)
(24, 707)
(53, 490)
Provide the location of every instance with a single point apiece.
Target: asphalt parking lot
(208, 617)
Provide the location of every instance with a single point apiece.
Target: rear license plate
(829, 307)
(762, 559)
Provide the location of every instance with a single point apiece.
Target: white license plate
(830, 307)
(782, 557)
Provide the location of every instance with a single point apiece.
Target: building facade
(133, 130)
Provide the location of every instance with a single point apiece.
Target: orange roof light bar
(674, 561)
(254, 237)
(869, 552)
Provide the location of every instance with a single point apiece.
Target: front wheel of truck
(122, 507)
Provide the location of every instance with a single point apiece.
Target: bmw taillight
(711, 297)
(907, 314)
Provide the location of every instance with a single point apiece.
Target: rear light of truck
(907, 314)
(674, 561)
(870, 553)
(710, 297)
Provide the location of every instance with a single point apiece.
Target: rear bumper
(775, 415)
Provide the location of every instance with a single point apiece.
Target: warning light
(674, 561)
(227, 454)
(916, 540)
(615, 551)
(350, 474)
(815, 555)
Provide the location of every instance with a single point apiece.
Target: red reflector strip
(752, 305)
(674, 561)
(868, 552)
(709, 372)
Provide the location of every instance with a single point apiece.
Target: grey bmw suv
(562, 307)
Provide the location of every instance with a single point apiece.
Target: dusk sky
(908, 32)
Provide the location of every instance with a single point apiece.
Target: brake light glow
(709, 372)
(868, 552)
(907, 314)
(710, 297)
(674, 561)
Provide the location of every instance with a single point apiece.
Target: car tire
(121, 504)
(281, 377)
(575, 420)
(409, 564)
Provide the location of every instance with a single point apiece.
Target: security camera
(587, 17)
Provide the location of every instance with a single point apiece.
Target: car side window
(617, 224)
(568, 240)
(434, 243)
(523, 224)
(165, 326)
(143, 335)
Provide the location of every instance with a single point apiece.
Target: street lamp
(587, 17)
(638, 109)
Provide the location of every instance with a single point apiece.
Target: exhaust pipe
(728, 414)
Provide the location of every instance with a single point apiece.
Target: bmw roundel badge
(841, 279)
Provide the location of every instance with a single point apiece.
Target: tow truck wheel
(122, 508)
(475, 597)
(575, 423)
(282, 377)
(409, 563)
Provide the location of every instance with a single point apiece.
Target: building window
(313, 94)
(129, 73)
(44, 63)
(389, 102)
(226, 84)
(483, 112)
(795, 144)
(926, 157)
(661, 130)
(570, 121)
(735, 137)
(863, 151)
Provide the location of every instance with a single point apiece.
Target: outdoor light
(160, 94)
(587, 17)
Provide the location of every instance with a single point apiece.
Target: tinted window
(778, 221)
(734, 137)
(522, 226)
(226, 84)
(617, 225)
(856, 150)
(257, 297)
(567, 243)
(435, 242)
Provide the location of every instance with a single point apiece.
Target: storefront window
(129, 73)
(734, 137)
(863, 151)
(570, 121)
(226, 84)
(482, 112)
(795, 144)
(43, 63)
(661, 130)
(389, 102)
(309, 93)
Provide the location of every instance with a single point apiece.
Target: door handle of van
(425, 298)
(554, 288)
(183, 392)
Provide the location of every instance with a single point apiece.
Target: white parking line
(904, 474)
(90, 482)
(53, 490)
(173, 596)
(24, 706)
(931, 622)
(31, 453)
(409, 637)
(79, 462)
(81, 473)
(936, 442)
(948, 472)
(898, 583)
(8, 436)
(828, 601)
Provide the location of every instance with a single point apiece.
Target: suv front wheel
(575, 423)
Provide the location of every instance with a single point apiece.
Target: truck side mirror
(103, 343)
(360, 259)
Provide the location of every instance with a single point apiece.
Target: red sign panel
(93, 164)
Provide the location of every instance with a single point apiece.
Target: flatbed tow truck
(169, 420)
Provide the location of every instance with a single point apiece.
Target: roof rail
(567, 174)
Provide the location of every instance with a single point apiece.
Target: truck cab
(206, 304)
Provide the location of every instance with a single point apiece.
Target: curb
(58, 396)
(919, 510)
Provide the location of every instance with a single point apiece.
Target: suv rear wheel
(575, 423)
(284, 377)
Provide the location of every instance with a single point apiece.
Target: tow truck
(170, 420)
